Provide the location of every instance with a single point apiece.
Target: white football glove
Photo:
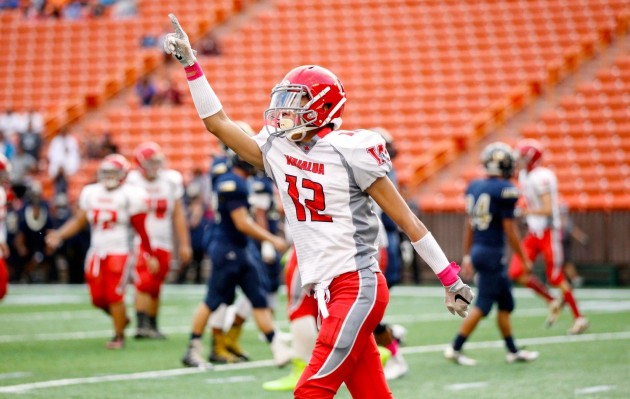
(178, 44)
(458, 297)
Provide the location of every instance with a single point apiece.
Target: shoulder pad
(509, 192)
(227, 186)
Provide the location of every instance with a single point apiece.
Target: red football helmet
(113, 171)
(149, 158)
(5, 169)
(309, 97)
(529, 153)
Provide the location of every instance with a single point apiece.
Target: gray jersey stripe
(364, 220)
(357, 315)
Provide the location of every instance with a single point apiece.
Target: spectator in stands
(124, 9)
(108, 145)
(205, 186)
(6, 147)
(12, 123)
(35, 220)
(100, 148)
(168, 93)
(209, 45)
(23, 165)
(145, 89)
(34, 121)
(74, 250)
(198, 223)
(54, 8)
(64, 159)
(31, 140)
(14, 261)
(9, 4)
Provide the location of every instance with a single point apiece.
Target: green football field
(51, 346)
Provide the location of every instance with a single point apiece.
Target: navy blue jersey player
(266, 214)
(490, 203)
(235, 261)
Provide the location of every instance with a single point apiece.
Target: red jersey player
(112, 208)
(542, 214)
(166, 221)
(327, 179)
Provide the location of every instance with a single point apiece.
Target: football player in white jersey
(114, 210)
(166, 221)
(5, 170)
(542, 214)
(327, 179)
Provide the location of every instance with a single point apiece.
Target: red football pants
(345, 350)
(107, 278)
(550, 245)
(4, 278)
(146, 281)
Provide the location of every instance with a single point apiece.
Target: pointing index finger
(178, 28)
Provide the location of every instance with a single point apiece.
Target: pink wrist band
(194, 71)
(449, 275)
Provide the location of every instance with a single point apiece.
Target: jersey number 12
(314, 206)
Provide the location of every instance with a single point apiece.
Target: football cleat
(232, 345)
(555, 308)
(289, 382)
(385, 354)
(579, 326)
(395, 367)
(282, 353)
(220, 354)
(193, 357)
(116, 343)
(521, 356)
(458, 357)
(399, 333)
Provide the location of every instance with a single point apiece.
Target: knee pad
(217, 318)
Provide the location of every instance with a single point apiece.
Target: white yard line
(21, 388)
(17, 374)
(595, 389)
(466, 386)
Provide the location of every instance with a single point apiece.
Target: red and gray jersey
(109, 213)
(162, 192)
(534, 184)
(3, 215)
(322, 187)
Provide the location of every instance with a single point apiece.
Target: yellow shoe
(288, 382)
(232, 345)
(220, 354)
(385, 353)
